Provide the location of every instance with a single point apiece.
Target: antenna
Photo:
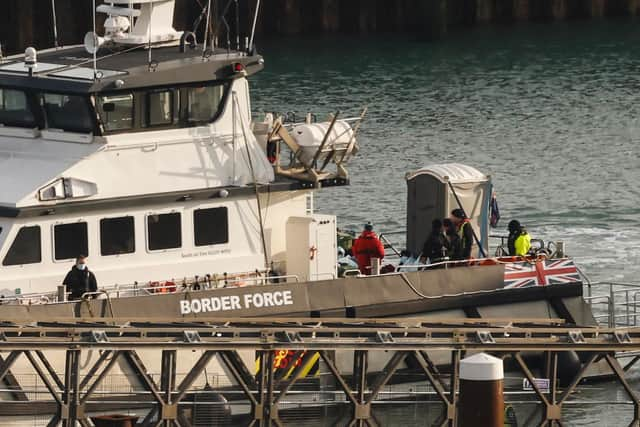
(150, 22)
(253, 27)
(55, 24)
(237, 25)
(206, 31)
(95, 51)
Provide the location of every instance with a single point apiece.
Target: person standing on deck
(454, 251)
(436, 246)
(80, 280)
(465, 232)
(519, 241)
(367, 246)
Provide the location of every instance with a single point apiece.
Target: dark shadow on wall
(26, 23)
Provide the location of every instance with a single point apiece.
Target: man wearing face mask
(80, 280)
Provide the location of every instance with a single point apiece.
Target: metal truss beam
(72, 392)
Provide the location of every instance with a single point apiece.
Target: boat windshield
(70, 113)
(116, 111)
(15, 109)
(204, 102)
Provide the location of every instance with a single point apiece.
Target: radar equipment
(31, 59)
(153, 24)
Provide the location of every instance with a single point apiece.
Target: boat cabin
(142, 157)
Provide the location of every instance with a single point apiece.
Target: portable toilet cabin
(435, 190)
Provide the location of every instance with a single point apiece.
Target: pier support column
(521, 10)
(597, 8)
(291, 17)
(485, 11)
(70, 409)
(330, 16)
(481, 391)
(265, 411)
(361, 410)
(559, 9)
(434, 19)
(167, 385)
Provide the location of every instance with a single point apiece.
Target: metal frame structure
(121, 339)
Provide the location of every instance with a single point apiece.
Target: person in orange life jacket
(367, 246)
(80, 280)
(465, 232)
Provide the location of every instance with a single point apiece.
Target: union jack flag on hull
(540, 273)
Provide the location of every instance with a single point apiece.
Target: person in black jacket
(436, 246)
(80, 280)
(453, 241)
(464, 230)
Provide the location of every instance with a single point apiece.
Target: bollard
(62, 294)
(481, 384)
(375, 266)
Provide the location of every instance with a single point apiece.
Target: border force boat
(139, 151)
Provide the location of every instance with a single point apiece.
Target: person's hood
(367, 233)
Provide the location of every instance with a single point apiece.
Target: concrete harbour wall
(29, 22)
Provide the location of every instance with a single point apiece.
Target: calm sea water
(551, 111)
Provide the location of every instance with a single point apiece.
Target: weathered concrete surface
(28, 22)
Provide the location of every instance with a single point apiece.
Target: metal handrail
(135, 288)
(383, 239)
(622, 302)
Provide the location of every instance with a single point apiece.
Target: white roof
(450, 172)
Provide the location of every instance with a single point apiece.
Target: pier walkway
(408, 344)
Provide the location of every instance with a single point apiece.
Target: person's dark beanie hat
(514, 225)
(436, 224)
(458, 213)
(368, 226)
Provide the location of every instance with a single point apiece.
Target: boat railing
(194, 283)
(618, 304)
(390, 241)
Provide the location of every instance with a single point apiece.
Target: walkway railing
(617, 304)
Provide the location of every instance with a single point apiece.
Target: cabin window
(204, 102)
(117, 236)
(116, 111)
(70, 240)
(70, 113)
(15, 109)
(211, 226)
(161, 108)
(26, 248)
(164, 231)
